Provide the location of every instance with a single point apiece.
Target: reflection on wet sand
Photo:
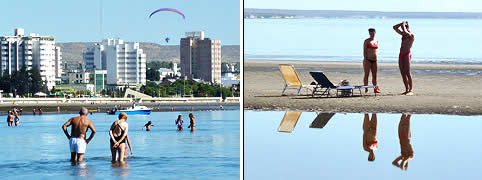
(370, 143)
(289, 122)
(404, 135)
(321, 120)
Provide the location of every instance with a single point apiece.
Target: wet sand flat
(438, 88)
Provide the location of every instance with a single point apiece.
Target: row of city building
(112, 63)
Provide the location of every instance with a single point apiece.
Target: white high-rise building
(125, 62)
(58, 65)
(94, 57)
(32, 51)
(201, 57)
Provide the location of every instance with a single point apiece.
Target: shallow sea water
(319, 146)
(445, 41)
(38, 148)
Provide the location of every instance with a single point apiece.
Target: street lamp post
(95, 79)
(184, 89)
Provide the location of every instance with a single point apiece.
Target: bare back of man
(77, 140)
(79, 126)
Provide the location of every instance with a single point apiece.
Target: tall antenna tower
(100, 19)
(100, 52)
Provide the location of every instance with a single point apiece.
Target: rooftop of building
(165, 70)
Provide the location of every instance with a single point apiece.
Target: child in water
(148, 126)
(130, 148)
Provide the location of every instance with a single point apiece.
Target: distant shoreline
(74, 108)
(253, 13)
(318, 59)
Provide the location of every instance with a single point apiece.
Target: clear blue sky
(78, 21)
(371, 5)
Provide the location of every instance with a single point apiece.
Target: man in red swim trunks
(405, 55)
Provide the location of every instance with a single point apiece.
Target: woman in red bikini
(370, 47)
(370, 143)
(405, 56)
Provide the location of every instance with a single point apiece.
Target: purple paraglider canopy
(168, 9)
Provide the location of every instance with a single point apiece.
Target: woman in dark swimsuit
(370, 57)
(193, 122)
(179, 123)
(10, 118)
(118, 134)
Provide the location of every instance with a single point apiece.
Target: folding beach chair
(321, 120)
(291, 79)
(324, 83)
(289, 122)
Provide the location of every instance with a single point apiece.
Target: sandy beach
(438, 88)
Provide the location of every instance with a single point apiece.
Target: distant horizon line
(367, 10)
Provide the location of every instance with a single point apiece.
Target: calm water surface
(39, 148)
(330, 146)
(436, 40)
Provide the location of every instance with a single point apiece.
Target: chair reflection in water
(289, 122)
(321, 120)
(405, 136)
(370, 143)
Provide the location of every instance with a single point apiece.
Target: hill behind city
(72, 52)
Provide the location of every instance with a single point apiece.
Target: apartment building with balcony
(200, 57)
(31, 51)
(124, 62)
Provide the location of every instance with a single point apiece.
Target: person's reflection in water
(80, 168)
(405, 146)
(370, 143)
(120, 168)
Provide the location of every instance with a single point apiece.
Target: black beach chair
(322, 82)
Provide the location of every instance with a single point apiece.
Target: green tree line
(189, 88)
(22, 82)
(152, 73)
(159, 64)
